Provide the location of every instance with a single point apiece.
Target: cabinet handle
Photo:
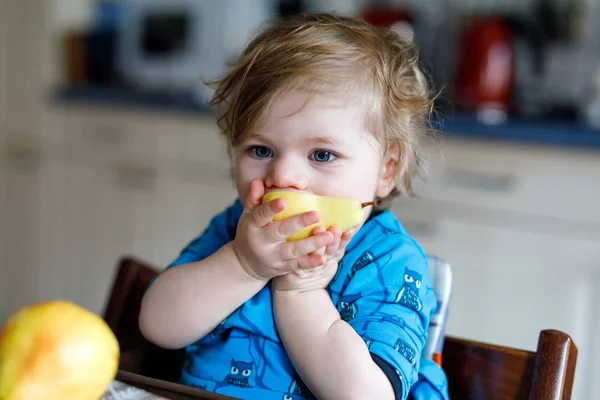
(135, 176)
(476, 180)
(106, 134)
(22, 157)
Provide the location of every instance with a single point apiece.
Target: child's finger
(333, 247)
(264, 213)
(293, 250)
(280, 230)
(307, 262)
(344, 240)
(257, 191)
(317, 231)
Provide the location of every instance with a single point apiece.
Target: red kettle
(485, 74)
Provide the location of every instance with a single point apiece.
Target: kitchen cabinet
(538, 181)
(33, 200)
(516, 269)
(182, 206)
(89, 190)
(174, 172)
(97, 230)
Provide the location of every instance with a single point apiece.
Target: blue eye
(261, 152)
(322, 156)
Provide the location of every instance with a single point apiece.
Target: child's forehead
(318, 120)
(314, 110)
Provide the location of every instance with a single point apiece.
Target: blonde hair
(327, 54)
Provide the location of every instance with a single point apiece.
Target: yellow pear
(343, 212)
(56, 350)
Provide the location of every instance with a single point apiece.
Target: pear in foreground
(56, 350)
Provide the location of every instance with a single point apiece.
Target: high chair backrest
(478, 370)
(441, 280)
(122, 311)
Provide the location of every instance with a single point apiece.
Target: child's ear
(389, 167)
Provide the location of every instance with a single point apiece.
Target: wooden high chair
(475, 370)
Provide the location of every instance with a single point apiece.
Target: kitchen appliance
(175, 45)
(485, 74)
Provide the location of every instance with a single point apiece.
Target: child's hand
(334, 252)
(260, 243)
(317, 278)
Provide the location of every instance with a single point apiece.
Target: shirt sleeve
(219, 232)
(389, 301)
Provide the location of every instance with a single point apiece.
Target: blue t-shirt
(381, 288)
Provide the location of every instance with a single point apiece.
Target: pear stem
(367, 204)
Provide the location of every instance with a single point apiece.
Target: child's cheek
(247, 169)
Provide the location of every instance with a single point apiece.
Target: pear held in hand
(56, 350)
(343, 212)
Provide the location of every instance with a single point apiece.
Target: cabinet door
(32, 199)
(187, 196)
(97, 229)
(510, 283)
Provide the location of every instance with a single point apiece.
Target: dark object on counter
(289, 8)
(100, 56)
(74, 59)
(379, 15)
(89, 57)
(529, 43)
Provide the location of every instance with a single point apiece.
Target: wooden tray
(169, 390)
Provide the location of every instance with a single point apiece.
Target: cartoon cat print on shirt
(409, 292)
(239, 373)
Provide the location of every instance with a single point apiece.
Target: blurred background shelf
(554, 132)
(135, 100)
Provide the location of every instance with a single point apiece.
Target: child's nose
(285, 174)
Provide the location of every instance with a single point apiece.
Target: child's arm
(370, 345)
(186, 302)
(330, 356)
